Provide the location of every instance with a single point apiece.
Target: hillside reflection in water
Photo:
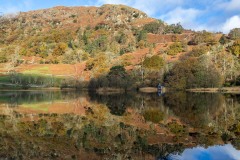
(129, 125)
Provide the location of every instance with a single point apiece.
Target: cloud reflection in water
(226, 152)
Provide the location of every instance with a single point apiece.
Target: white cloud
(13, 8)
(27, 3)
(232, 5)
(233, 22)
(152, 7)
(100, 2)
(9, 10)
(187, 17)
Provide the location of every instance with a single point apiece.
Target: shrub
(154, 27)
(174, 28)
(155, 62)
(153, 115)
(60, 49)
(235, 48)
(234, 34)
(121, 38)
(198, 51)
(101, 26)
(176, 128)
(141, 44)
(223, 40)
(141, 36)
(203, 37)
(175, 48)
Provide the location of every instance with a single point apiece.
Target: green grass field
(37, 71)
(37, 106)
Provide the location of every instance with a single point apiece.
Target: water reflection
(116, 103)
(127, 126)
(16, 98)
(226, 152)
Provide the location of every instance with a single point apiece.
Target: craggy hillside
(74, 17)
(17, 28)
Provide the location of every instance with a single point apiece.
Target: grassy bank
(35, 81)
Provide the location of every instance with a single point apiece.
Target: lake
(82, 125)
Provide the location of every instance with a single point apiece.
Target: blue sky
(212, 15)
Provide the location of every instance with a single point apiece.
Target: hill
(81, 44)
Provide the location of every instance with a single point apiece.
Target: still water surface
(79, 125)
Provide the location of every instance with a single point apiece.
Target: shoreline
(148, 90)
(216, 90)
(110, 91)
(121, 90)
(39, 89)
